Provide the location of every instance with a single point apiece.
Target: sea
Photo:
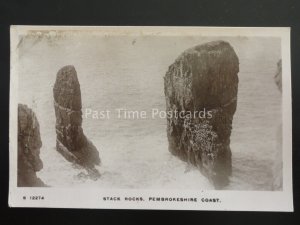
(126, 72)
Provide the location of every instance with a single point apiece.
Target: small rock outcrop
(70, 139)
(278, 76)
(277, 166)
(203, 78)
(29, 144)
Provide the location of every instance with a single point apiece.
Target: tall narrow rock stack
(203, 78)
(70, 140)
(29, 144)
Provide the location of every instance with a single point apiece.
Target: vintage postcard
(185, 118)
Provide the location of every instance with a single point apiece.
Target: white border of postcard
(205, 200)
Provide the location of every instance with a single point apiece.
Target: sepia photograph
(151, 117)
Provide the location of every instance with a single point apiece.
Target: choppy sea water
(127, 72)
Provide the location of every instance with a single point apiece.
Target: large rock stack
(203, 78)
(71, 141)
(29, 144)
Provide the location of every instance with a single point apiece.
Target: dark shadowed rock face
(203, 77)
(71, 141)
(29, 144)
